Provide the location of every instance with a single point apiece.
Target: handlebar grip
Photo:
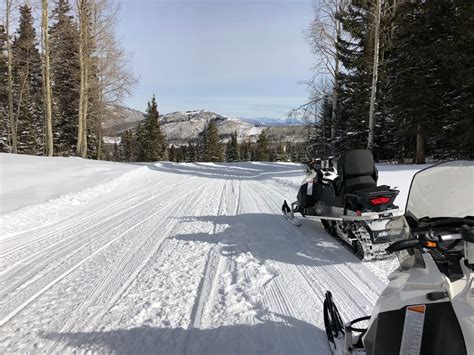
(402, 245)
(467, 233)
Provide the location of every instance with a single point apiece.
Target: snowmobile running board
(367, 216)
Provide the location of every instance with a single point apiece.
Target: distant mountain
(181, 127)
(120, 118)
(263, 121)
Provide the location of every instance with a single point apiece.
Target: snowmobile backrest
(355, 163)
(356, 171)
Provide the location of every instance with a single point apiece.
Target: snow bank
(27, 180)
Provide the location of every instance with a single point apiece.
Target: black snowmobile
(427, 307)
(342, 193)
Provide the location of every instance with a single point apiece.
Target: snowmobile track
(62, 275)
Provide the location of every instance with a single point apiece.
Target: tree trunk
(81, 85)
(373, 92)
(81, 148)
(334, 109)
(46, 80)
(420, 145)
(12, 133)
(336, 80)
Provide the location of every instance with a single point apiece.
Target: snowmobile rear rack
(353, 217)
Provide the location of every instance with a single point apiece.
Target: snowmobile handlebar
(402, 245)
(467, 233)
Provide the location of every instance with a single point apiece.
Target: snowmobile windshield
(442, 191)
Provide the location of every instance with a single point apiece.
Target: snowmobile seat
(357, 171)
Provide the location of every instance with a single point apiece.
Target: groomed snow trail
(179, 259)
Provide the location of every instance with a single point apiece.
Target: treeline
(397, 77)
(57, 80)
(148, 143)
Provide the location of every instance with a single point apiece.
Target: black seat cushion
(357, 171)
(358, 183)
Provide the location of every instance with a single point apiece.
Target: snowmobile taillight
(380, 200)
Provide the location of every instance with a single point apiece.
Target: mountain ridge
(180, 127)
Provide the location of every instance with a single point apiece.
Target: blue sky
(234, 57)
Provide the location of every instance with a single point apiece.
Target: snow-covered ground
(26, 179)
(170, 259)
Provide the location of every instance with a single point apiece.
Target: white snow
(26, 179)
(170, 259)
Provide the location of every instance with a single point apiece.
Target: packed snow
(170, 259)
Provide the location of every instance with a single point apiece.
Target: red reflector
(380, 200)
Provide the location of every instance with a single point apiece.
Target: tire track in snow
(94, 216)
(63, 274)
(211, 270)
(103, 295)
(103, 191)
(40, 264)
(151, 273)
(207, 288)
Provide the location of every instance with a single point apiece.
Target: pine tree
(213, 150)
(232, 149)
(263, 153)
(154, 139)
(27, 86)
(127, 145)
(117, 154)
(354, 95)
(180, 154)
(192, 153)
(65, 73)
(280, 153)
(460, 130)
(141, 144)
(421, 72)
(245, 151)
(172, 153)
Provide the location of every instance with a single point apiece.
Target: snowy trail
(189, 259)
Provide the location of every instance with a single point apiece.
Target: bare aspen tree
(13, 140)
(324, 33)
(113, 75)
(83, 10)
(112, 78)
(373, 91)
(46, 78)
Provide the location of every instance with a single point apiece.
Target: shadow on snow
(271, 237)
(282, 335)
(242, 171)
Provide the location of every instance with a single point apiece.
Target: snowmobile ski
(290, 216)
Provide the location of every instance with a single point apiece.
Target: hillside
(181, 127)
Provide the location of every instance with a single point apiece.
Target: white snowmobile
(343, 194)
(428, 304)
